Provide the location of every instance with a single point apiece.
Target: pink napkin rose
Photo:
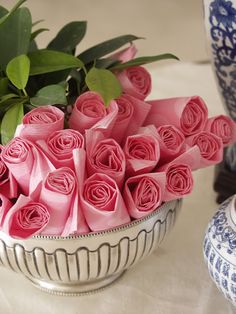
(26, 218)
(131, 116)
(5, 205)
(189, 114)
(8, 185)
(144, 193)
(89, 109)
(171, 141)
(40, 122)
(224, 127)
(126, 54)
(27, 163)
(59, 147)
(58, 191)
(103, 205)
(76, 223)
(179, 181)
(142, 154)
(107, 157)
(135, 81)
(210, 146)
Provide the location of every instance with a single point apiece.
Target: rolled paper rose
(76, 223)
(89, 109)
(126, 54)
(179, 181)
(191, 157)
(131, 116)
(27, 163)
(171, 141)
(39, 123)
(142, 153)
(144, 193)
(210, 146)
(59, 147)
(58, 192)
(224, 127)
(5, 205)
(26, 218)
(124, 116)
(135, 81)
(102, 203)
(107, 157)
(189, 114)
(8, 185)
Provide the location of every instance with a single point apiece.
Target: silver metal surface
(80, 264)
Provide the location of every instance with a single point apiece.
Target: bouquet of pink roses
(109, 157)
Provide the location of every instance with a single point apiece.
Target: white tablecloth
(174, 279)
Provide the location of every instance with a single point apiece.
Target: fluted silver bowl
(80, 264)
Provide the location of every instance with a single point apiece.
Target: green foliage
(50, 95)
(18, 71)
(10, 120)
(105, 83)
(32, 77)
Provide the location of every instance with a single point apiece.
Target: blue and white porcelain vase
(220, 25)
(220, 248)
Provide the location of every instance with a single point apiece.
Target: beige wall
(168, 25)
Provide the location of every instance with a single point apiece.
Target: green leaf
(3, 11)
(50, 95)
(105, 48)
(105, 83)
(32, 46)
(18, 71)
(8, 14)
(8, 96)
(15, 36)
(46, 61)
(37, 32)
(69, 37)
(3, 86)
(37, 22)
(143, 60)
(10, 120)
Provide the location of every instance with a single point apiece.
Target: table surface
(174, 279)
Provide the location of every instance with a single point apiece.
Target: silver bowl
(77, 265)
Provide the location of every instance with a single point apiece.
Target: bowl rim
(175, 203)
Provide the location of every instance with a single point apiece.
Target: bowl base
(76, 289)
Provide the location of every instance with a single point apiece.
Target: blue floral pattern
(223, 33)
(220, 250)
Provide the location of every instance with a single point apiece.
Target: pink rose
(5, 205)
(189, 114)
(59, 147)
(135, 81)
(126, 54)
(179, 181)
(107, 157)
(103, 205)
(58, 192)
(26, 218)
(89, 109)
(132, 113)
(144, 193)
(39, 123)
(171, 141)
(8, 185)
(142, 153)
(210, 146)
(27, 163)
(224, 127)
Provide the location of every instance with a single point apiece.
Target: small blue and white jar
(220, 248)
(220, 25)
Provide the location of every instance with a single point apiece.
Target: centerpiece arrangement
(86, 157)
